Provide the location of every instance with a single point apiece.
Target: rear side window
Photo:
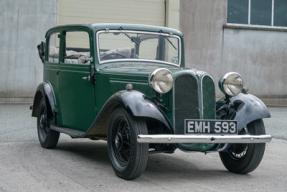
(77, 44)
(53, 47)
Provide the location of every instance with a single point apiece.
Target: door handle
(87, 78)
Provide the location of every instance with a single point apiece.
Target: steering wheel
(109, 54)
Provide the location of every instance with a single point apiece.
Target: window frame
(64, 48)
(141, 60)
(249, 25)
(48, 46)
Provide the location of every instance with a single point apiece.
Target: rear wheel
(128, 157)
(244, 158)
(48, 138)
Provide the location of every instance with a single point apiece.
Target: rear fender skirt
(44, 90)
(244, 108)
(135, 104)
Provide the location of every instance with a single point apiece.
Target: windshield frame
(141, 60)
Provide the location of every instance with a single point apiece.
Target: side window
(77, 44)
(54, 48)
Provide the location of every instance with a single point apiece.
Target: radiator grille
(208, 91)
(186, 101)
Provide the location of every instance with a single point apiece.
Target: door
(51, 65)
(75, 92)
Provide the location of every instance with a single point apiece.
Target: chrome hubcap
(118, 141)
(43, 121)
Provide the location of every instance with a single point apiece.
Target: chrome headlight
(161, 80)
(231, 84)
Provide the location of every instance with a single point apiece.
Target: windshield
(133, 45)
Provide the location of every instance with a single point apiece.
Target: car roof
(115, 26)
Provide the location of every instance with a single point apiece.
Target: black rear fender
(44, 90)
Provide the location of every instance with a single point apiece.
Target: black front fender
(244, 108)
(135, 103)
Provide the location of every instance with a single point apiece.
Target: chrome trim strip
(126, 82)
(137, 60)
(200, 101)
(173, 103)
(143, 32)
(204, 138)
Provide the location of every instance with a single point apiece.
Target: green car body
(80, 97)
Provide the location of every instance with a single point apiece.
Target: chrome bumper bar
(204, 138)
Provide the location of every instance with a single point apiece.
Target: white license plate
(210, 126)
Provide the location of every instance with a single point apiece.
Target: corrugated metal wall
(150, 12)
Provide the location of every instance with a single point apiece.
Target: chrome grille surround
(193, 99)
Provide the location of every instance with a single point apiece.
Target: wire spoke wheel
(128, 157)
(43, 126)
(48, 138)
(244, 158)
(121, 144)
(238, 151)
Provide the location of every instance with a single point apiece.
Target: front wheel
(244, 158)
(128, 157)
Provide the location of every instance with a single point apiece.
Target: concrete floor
(83, 165)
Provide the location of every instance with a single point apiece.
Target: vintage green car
(127, 84)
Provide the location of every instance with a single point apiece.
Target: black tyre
(244, 158)
(128, 157)
(47, 137)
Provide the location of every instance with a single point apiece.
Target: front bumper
(204, 138)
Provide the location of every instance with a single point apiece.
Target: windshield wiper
(168, 40)
(129, 36)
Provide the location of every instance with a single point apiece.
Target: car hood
(144, 69)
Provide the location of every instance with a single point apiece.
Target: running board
(72, 132)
